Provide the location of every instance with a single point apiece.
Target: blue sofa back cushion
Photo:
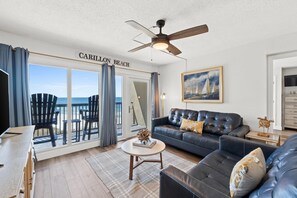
(288, 147)
(176, 115)
(219, 123)
(280, 180)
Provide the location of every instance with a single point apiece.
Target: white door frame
(127, 77)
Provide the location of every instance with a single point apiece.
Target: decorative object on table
(144, 139)
(205, 85)
(143, 135)
(264, 123)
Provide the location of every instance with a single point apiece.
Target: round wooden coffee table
(137, 152)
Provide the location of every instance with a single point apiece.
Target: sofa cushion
(280, 181)
(205, 140)
(222, 160)
(288, 147)
(170, 131)
(215, 170)
(219, 123)
(247, 173)
(191, 125)
(176, 115)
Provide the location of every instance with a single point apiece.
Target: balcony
(42, 138)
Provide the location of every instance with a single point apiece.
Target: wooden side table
(284, 135)
(273, 139)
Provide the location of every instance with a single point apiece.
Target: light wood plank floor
(71, 176)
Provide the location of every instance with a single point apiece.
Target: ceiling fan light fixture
(160, 43)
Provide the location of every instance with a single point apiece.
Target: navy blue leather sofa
(216, 124)
(211, 176)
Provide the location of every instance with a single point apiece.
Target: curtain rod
(89, 62)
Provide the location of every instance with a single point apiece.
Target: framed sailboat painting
(205, 85)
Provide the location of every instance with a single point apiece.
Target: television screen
(4, 102)
(291, 81)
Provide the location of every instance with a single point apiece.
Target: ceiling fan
(162, 41)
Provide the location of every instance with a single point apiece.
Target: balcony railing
(62, 108)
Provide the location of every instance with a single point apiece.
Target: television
(4, 102)
(291, 81)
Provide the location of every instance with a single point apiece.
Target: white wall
(34, 45)
(245, 78)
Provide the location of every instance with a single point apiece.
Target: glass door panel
(138, 104)
(49, 80)
(85, 106)
(119, 104)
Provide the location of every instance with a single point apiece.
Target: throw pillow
(195, 126)
(247, 173)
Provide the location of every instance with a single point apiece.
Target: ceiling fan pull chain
(151, 55)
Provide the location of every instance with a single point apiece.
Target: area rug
(112, 167)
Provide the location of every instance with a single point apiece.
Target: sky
(53, 80)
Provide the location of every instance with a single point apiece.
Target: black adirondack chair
(43, 115)
(90, 116)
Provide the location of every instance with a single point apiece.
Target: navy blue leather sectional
(216, 124)
(211, 176)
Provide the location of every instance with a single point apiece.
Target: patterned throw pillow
(191, 125)
(247, 173)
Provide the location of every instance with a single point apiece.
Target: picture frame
(203, 86)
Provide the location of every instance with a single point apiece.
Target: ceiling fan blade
(189, 32)
(174, 50)
(141, 28)
(140, 47)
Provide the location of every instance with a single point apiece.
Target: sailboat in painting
(214, 88)
(206, 88)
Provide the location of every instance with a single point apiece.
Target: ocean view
(80, 100)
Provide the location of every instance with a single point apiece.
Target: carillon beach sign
(101, 59)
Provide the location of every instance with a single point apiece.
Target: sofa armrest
(242, 147)
(158, 122)
(175, 183)
(240, 131)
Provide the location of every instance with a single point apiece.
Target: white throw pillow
(247, 173)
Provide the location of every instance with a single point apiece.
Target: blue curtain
(15, 63)
(155, 95)
(108, 123)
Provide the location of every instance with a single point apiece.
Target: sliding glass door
(85, 106)
(45, 81)
(77, 109)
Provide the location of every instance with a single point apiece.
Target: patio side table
(77, 130)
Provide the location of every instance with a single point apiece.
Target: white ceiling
(100, 24)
